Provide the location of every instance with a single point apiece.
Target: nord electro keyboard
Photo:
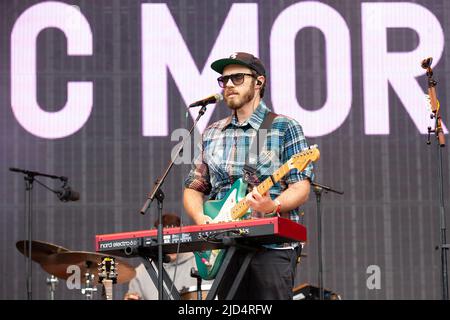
(202, 237)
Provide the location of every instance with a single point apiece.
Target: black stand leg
(444, 246)
(29, 218)
(240, 275)
(231, 251)
(169, 284)
(159, 195)
(29, 180)
(223, 268)
(196, 275)
(160, 198)
(199, 289)
(440, 139)
(318, 192)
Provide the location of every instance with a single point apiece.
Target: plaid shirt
(222, 154)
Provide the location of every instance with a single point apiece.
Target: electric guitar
(233, 207)
(107, 276)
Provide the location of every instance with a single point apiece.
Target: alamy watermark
(374, 279)
(218, 143)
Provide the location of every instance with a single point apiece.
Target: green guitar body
(208, 262)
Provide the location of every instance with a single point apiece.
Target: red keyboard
(202, 237)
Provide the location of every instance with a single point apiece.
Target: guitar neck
(108, 289)
(241, 208)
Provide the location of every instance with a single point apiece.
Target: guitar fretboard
(108, 290)
(298, 161)
(241, 207)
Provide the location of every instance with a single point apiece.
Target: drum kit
(59, 263)
(62, 263)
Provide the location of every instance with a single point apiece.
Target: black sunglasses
(236, 78)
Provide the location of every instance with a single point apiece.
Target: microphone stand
(318, 189)
(159, 195)
(440, 138)
(29, 180)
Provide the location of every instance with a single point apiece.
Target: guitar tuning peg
(428, 136)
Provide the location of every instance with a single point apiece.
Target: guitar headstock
(302, 159)
(107, 270)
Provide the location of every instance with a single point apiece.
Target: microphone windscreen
(74, 196)
(219, 97)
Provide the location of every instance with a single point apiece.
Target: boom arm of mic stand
(30, 177)
(160, 181)
(159, 195)
(321, 186)
(326, 188)
(38, 174)
(318, 188)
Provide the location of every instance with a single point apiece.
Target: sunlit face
(236, 96)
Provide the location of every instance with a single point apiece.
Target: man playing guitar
(225, 155)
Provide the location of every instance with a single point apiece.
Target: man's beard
(236, 104)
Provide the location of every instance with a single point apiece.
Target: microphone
(211, 99)
(67, 194)
(426, 63)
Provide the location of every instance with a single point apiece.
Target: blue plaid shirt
(222, 154)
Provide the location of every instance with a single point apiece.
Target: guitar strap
(249, 168)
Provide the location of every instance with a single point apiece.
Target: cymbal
(40, 250)
(58, 265)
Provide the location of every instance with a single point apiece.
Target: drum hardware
(56, 260)
(40, 253)
(41, 250)
(89, 286)
(52, 283)
(88, 263)
(30, 178)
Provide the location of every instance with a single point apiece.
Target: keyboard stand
(152, 271)
(231, 247)
(231, 251)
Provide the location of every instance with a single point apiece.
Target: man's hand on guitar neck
(260, 203)
(294, 196)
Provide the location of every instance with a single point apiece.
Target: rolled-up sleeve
(198, 178)
(294, 142)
